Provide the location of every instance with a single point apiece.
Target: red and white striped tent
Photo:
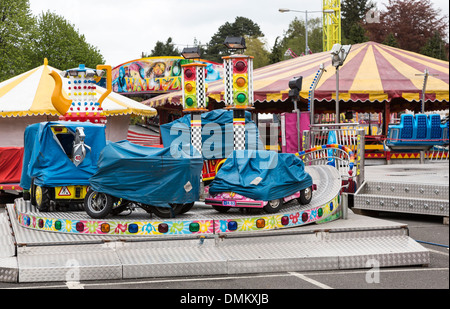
(372, 72)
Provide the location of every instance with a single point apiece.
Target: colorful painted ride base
(201, 220)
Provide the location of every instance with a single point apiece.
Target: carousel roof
(30, 94)
(372, 72)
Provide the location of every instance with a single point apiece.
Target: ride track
(201, 220)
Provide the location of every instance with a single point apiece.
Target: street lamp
(306, 22)
(338, 55)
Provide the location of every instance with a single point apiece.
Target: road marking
(74, 285)
(438, 252)
(312, 281)
(140, 282)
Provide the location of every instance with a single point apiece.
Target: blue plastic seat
(421, 126)
(435, 126)
(407, 123)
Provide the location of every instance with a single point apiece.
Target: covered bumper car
(260, 179)
(59, 158)
(163, 181)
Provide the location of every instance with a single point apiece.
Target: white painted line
(312, 281)
(143, 281)
(74, 285)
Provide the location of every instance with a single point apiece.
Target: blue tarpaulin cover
(217, 133)
(152, 176)
(46, 161)
(261, 175)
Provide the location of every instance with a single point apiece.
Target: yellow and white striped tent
(26, 99)
(29, 94)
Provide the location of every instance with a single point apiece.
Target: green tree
(164, 49)
(256, 48)
(353, 13)
(16, 29)
(58, 41)
(242, 26)
(277, 51)
(295, 38)
(391, 40)
(435, 47)
(413, 22)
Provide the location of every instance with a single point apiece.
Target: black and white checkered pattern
(228, 81)
(201, 90)
(196, 131)
(239, 136)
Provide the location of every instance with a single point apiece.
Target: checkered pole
(238, 80)
(194, 99)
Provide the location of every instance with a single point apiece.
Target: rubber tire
(33, 193)
(221, 209)
(305, 196)
(185, 208)
(166, 212)
(43, 198)
(106, 199)
(273, 206)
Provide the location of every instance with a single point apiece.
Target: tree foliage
(353, 13)
(16, 29)
(241, 26)
(435, 47)
(25, 40)
(295, 39)
(411, 22)
(164, 49)
(59, 42)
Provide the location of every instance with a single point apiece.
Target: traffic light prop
(238, 79)
(238, 70)
(194, 87)
(195, 101)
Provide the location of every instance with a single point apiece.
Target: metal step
(413, 198)
(8, 260)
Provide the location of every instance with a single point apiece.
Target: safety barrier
(339, 156)
(348, 139)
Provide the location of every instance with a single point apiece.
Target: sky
(123, 29)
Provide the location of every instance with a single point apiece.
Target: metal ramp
(355, 242)
(413, 189)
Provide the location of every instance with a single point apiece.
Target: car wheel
(42, 196)
(186, 207)
(221, 209)
(97, 204)
(167, 212)
(273, 206)
(305, 196)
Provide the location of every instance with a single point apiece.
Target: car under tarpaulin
(261, 175)
(47, 155)
(152, 176)
(217, 133)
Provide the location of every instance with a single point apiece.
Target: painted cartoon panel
(157, 74)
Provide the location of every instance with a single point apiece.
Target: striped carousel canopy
(30, 94)
(372, 72)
